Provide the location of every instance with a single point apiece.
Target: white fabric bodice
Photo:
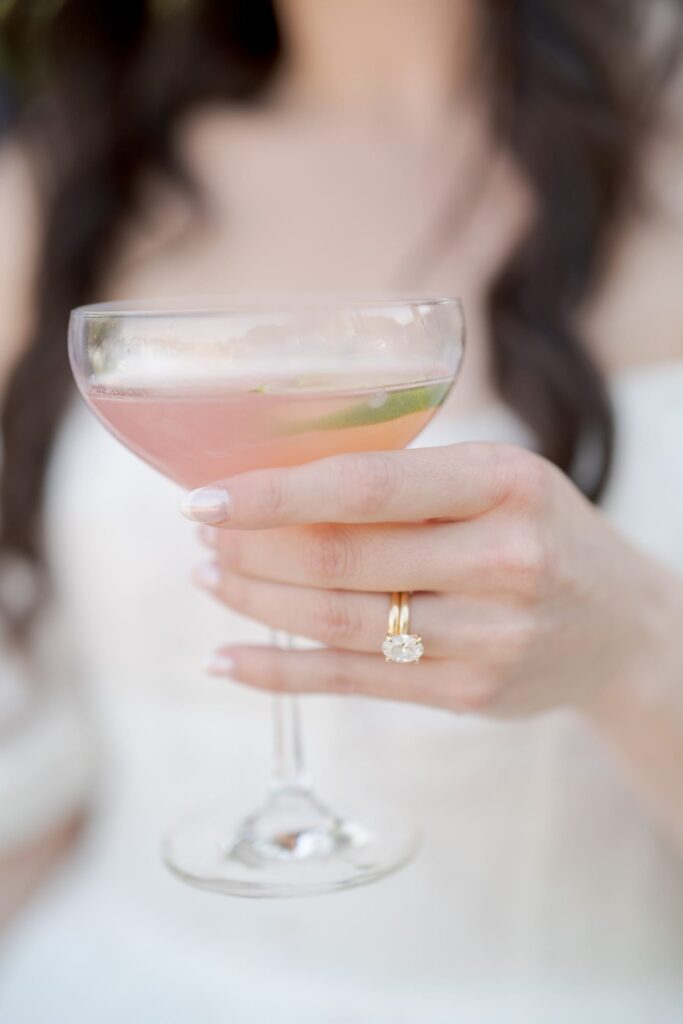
(542, 892)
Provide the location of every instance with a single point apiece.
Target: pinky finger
(439, 683)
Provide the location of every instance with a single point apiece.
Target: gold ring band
(400, 645)
(399, 613)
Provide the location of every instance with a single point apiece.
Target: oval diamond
(403, 648)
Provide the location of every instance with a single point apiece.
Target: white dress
(542, 894)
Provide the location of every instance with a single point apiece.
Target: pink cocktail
(208, 433)
(205, 393)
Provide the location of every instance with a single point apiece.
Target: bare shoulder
(20, 217)
(637, 316)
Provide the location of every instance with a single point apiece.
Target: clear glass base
(293, 846)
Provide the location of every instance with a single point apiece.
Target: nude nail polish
(219, 664)
(208, 505)
(208, 575)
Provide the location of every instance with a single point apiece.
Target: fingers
(442, 684)
(367, 558)
(450, 625)
(337, 618)
(456, 482)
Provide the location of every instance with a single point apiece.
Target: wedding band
(400, 645)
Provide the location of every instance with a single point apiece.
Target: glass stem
(288, 770)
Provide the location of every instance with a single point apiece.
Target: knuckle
(328, 554)
(276, 678)
(339, 678)
(333, 621)
(524, 559)
(236, 591)
(512, 640)
(531, 478)
(499, 469)
(270, 495)
(367, 482)
(501, 465)
(534, 563)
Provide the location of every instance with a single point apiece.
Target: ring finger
(450, 626)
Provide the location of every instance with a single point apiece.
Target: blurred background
(523, 154)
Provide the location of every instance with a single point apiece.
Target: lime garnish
(361, 414)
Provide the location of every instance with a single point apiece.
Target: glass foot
(293, 846)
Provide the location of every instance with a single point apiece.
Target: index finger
(456, 482)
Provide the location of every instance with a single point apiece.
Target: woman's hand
(524, 596)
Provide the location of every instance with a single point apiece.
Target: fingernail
(208, 575)
(219, 664)
(209, 536)
(207, 505)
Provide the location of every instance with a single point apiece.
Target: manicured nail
(208, 575)
(207, 505)
(209, 536)
(219, 664)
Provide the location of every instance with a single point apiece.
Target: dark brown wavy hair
(102, 85)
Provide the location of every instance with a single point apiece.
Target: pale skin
(512, 575)
(526, 597)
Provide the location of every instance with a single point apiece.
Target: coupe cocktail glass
(204, 391)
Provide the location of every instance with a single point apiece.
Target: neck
(410, 58)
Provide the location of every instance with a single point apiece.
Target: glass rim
(207, 307)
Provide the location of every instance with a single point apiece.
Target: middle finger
(371, 558)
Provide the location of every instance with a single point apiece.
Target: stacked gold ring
(400, 645)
